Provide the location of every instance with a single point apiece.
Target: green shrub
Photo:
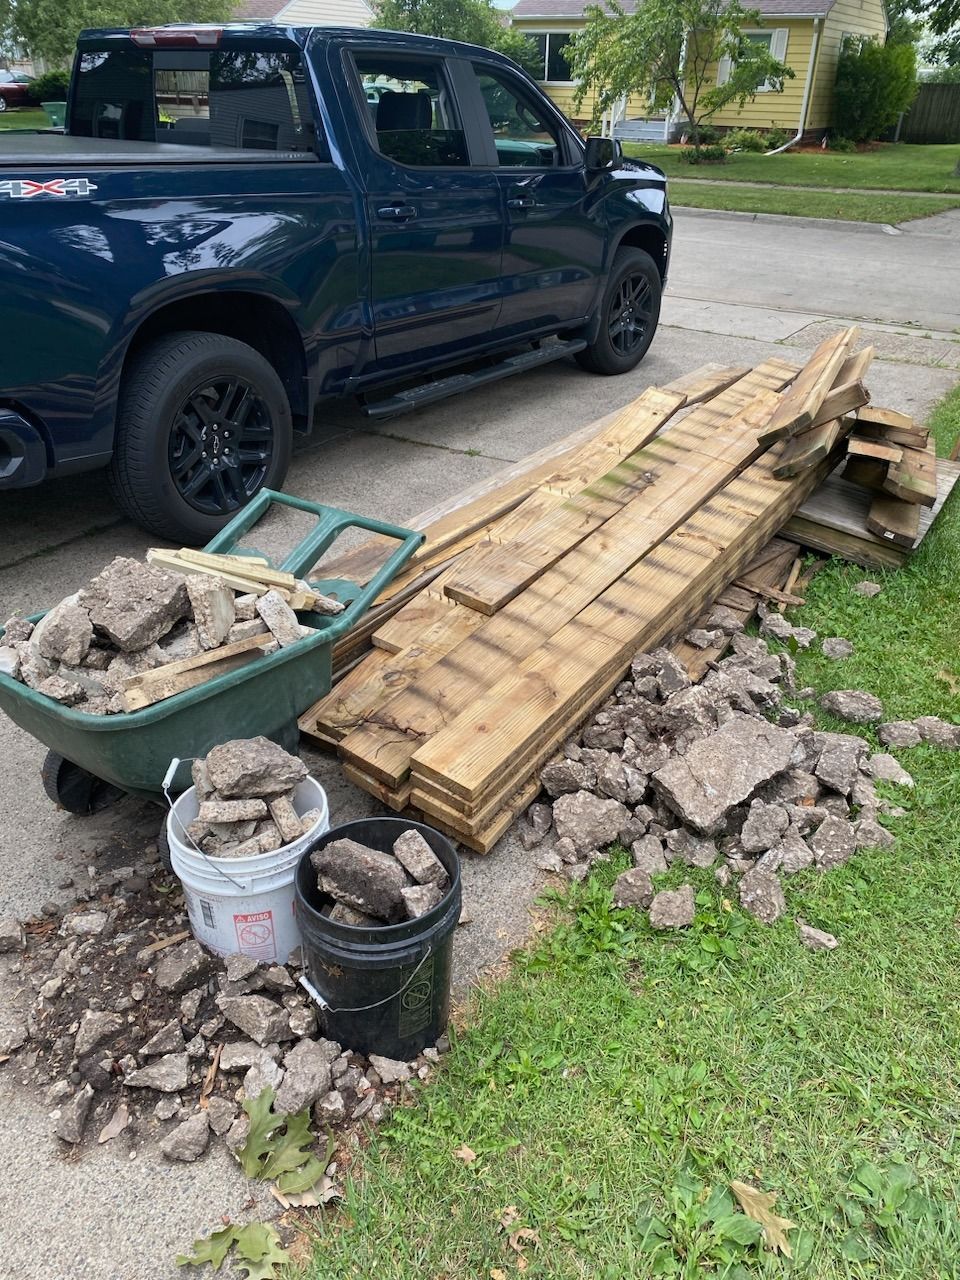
(50, 87)
(745, 140)
(703, 155)
(707, 135)
(875, 83)
(777, 138)
(842, 144)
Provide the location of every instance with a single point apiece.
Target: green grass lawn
(28, 118)
(615, 1069)
(898, 167)
(857, 207)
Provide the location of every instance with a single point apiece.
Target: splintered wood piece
(170, 560)
(240, 566)
(914, 476)
(138, 696)
(810, 447)
(802, 401)
(208, 658)
(878, 417)
(894, 519)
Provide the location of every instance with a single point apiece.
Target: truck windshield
(255, 98)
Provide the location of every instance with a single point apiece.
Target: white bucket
(243, 904)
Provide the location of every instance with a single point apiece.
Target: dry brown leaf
(521, 1238)
(950, 680)
(210, 1078)
(497, 1273)
(115, 1125)
(758, 1205)
(521, 1263)
(466, 1154)
(509, 1216)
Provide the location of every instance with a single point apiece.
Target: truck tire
(203, 424)
(629, 313)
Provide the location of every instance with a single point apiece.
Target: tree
(49, 28)
(475, 21)
(668, 49)
(875, 83)
(903, 25)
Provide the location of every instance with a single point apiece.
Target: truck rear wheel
(203, 424)
(629, 314)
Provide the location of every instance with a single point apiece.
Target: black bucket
(380, 990)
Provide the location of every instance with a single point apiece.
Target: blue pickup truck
(241, 222)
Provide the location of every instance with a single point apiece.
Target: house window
(554, 67)
(775, 42)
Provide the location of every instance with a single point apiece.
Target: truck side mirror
(602, 153)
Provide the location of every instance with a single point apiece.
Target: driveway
(121, 1213)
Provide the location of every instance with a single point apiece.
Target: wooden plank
(914, 476)
(396, 799)
(868, 473)
(240, 566)
(893, 435)
(877, 449)
(878, 417)
(205, 659)
(706, 382)
(810, 447)
(170, 560)
(803, 400)
(136, 697)
(894, 520)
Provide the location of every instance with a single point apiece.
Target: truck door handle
(398, 212)
(521, 202)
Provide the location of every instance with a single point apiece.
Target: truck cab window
(523, 138)
(413, 116)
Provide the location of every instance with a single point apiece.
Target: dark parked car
(14, 90)
(242, 222)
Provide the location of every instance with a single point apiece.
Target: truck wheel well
(260, 322)
(651, 241)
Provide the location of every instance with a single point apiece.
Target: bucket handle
(318, 999)
(167, 783)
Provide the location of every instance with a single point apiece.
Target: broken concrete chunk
(241, 1054)
(169, 1039)
(648, 855)
(764, 827)
(34, 667)
(189, 1140)
(761, 894)
(64, 634)
(938, 733)
(265, 1073)
(285, 817)
(589, 821)
(201, 780)
(249, 767)
(685, 846)
(365, 879)
(340, 913)
(561, 777)
(73, 1115)
(95, 1027)
(418, 899)
(221, 1113)
(213, 608)
(853, 705)
(870, 835)
(222, 811)
(418, 859)
(182, 642)
(257, 1016)
(792, 854)
(899, 733)
(673, 908)
(633, 888)
(281, 620)
(13, 936)
(833, 843)
(133, 604)
(868, 589)
(670, 673)
(16, 630)
(306, 1075)
(839, 765)
(390, 1070)
(9, 661)
(310, 820)
(169, 1074)
(723, 619)
(887, 768)
(816, 939)
(701, 638)
(67, 692)
(835, 648)
(183, 967)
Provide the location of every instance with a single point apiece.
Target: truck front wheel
(203, 424)
(629, 314)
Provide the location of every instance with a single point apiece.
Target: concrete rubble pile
(369, 888)
(723, 774)
(246, 791)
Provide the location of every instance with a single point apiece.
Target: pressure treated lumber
(876, 416)
(894, 520)
(914, 476)
(868, 473)
(174, 677)
(241, 566)
(915, 438)
(810, 446)
(878, 449)
(803, 400)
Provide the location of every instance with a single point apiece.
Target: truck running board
(430, 392)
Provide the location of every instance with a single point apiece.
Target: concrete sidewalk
(117, 1216)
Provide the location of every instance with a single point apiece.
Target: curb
(831, 224)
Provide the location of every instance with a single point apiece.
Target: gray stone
(238, 967)
(285, 817)
(183, 967)
(589, 821)
(839, 764)
(85, 924)
(73, 1115)
(17, 630)
(776, 625)
(887, 768)
(621, 781)
(540, 818)
(577, 871)
(867, 588)
(169, 1039)
(340, 913)
(168, 1106)
(240, 1054)
(670, 672)
(221, 1113)
(276, 978)
(331, 1109)
(169, 1074)
(724, 619)
(307, 1075)
(761, 894)
(816, 939)
(418, 859)
(790, 855)
(602, 734)
(34, 667)
(673, 908)
(12, 935)
(724, 769)
(835, 647)
(262, 1074)
(303, 1021)
(390, 1070)
(365, 879)
(870, 835)
(648, 855)
(694, 850)
(567, 850)
(723, 876)
(182, 642)
(9, 661)
(253, 767)
(549, 861)
(189, 1140)
(64, 634)
(96, 1027)
(899, 733)
(764, 827)
(833, 843)
(67, 692)
(245, 607)
(700, 638)
(238, 1133)
(283, 623)
(742, 689)
(560, 777)
(228, 811)
(938, 733)
(213, 609)
(257, 1016)
(133, 604)
(633, 888)
(418, 899)
(853, 705)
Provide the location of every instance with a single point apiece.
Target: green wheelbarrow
(93, 760)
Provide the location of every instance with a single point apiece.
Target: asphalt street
(739, 291)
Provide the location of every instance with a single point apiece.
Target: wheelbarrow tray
(266, 696)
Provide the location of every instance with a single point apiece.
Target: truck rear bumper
(23, 454)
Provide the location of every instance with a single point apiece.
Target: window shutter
(724, 67)
(778, 45)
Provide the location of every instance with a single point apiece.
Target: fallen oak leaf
(213, 1249)
(509, 1216)
(497, 1273)
(758, 1205)
(465, 1153)
(522, 1237)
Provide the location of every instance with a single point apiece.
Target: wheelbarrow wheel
(74, 789)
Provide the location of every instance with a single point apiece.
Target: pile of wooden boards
(247, 575)
(519, 620)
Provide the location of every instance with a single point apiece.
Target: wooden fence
(934, 116)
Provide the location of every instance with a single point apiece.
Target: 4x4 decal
(25, 189)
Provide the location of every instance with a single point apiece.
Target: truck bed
(57, 150)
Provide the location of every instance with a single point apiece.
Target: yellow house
(805, 34)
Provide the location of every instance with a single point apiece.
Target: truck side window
(523, 138)
(412, 112)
